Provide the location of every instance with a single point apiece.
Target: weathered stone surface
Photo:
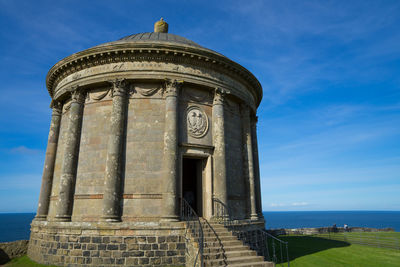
(114, 170)
(144, 250)
(220, 185)
(69, 167)
(49, 162)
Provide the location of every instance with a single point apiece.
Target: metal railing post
(191, 218)
(257, 239)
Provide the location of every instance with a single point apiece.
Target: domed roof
(132, 46)
(158, 37)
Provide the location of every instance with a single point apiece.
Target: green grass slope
(24, 261)
(311, 251)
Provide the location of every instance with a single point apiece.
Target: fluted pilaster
(48, 169)
(113, 177)
(70, 160)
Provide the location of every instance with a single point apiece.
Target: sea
(16, 226)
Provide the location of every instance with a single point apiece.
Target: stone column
(218, 133)
(113, 176)
(70, 160)
(170, 160)
(48, 170)
(256, 167)
(248, 153)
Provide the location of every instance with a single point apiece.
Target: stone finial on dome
(161, 26)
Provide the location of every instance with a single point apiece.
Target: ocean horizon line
(30, 212)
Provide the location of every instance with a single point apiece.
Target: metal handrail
(222, 213)
(193, 223)
(257, 239)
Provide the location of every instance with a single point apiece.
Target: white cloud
(294, 204)
(25, 150)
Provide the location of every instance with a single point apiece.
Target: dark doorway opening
(192, 183)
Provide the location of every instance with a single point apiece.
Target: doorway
(192, 173)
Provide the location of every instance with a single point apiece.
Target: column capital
(245, 110)
(77, 95)
(172, 87)
(254, 119)
(118, 87)
(56, 106)
(219, 96)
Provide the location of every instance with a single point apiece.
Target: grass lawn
(24, 261)
(377, 239)
(315, 251)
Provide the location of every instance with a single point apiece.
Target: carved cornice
(151, 52)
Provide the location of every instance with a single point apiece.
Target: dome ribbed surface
(157, 37)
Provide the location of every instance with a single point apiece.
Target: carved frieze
(121, 57)
(147, 90)
(153, 69)
(197, 95)
(99, 95)
(196, 121)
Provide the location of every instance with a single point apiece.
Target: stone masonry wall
(71, 246)
(237, 187)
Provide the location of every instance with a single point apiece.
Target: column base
(110, 219)
(40, 218)
(172, 218)
(254, 217)
(62, 218)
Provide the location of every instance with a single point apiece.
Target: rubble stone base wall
(105, 247)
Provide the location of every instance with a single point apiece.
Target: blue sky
(329, 123)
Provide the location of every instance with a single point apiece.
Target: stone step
(211, 231)
(225, 249)
(219, 233)
(219, 238)
(230, 254)
(214, 226)
(235, 260)
(222, 248)
(253, 264)
(225, 244)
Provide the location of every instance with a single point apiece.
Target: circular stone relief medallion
(197, 122)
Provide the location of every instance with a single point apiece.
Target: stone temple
(142, 128)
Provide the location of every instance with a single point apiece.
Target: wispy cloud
(25, 150)
(297, 45)
(294, 204)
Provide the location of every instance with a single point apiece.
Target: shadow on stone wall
(11, 250)
(3, 257)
